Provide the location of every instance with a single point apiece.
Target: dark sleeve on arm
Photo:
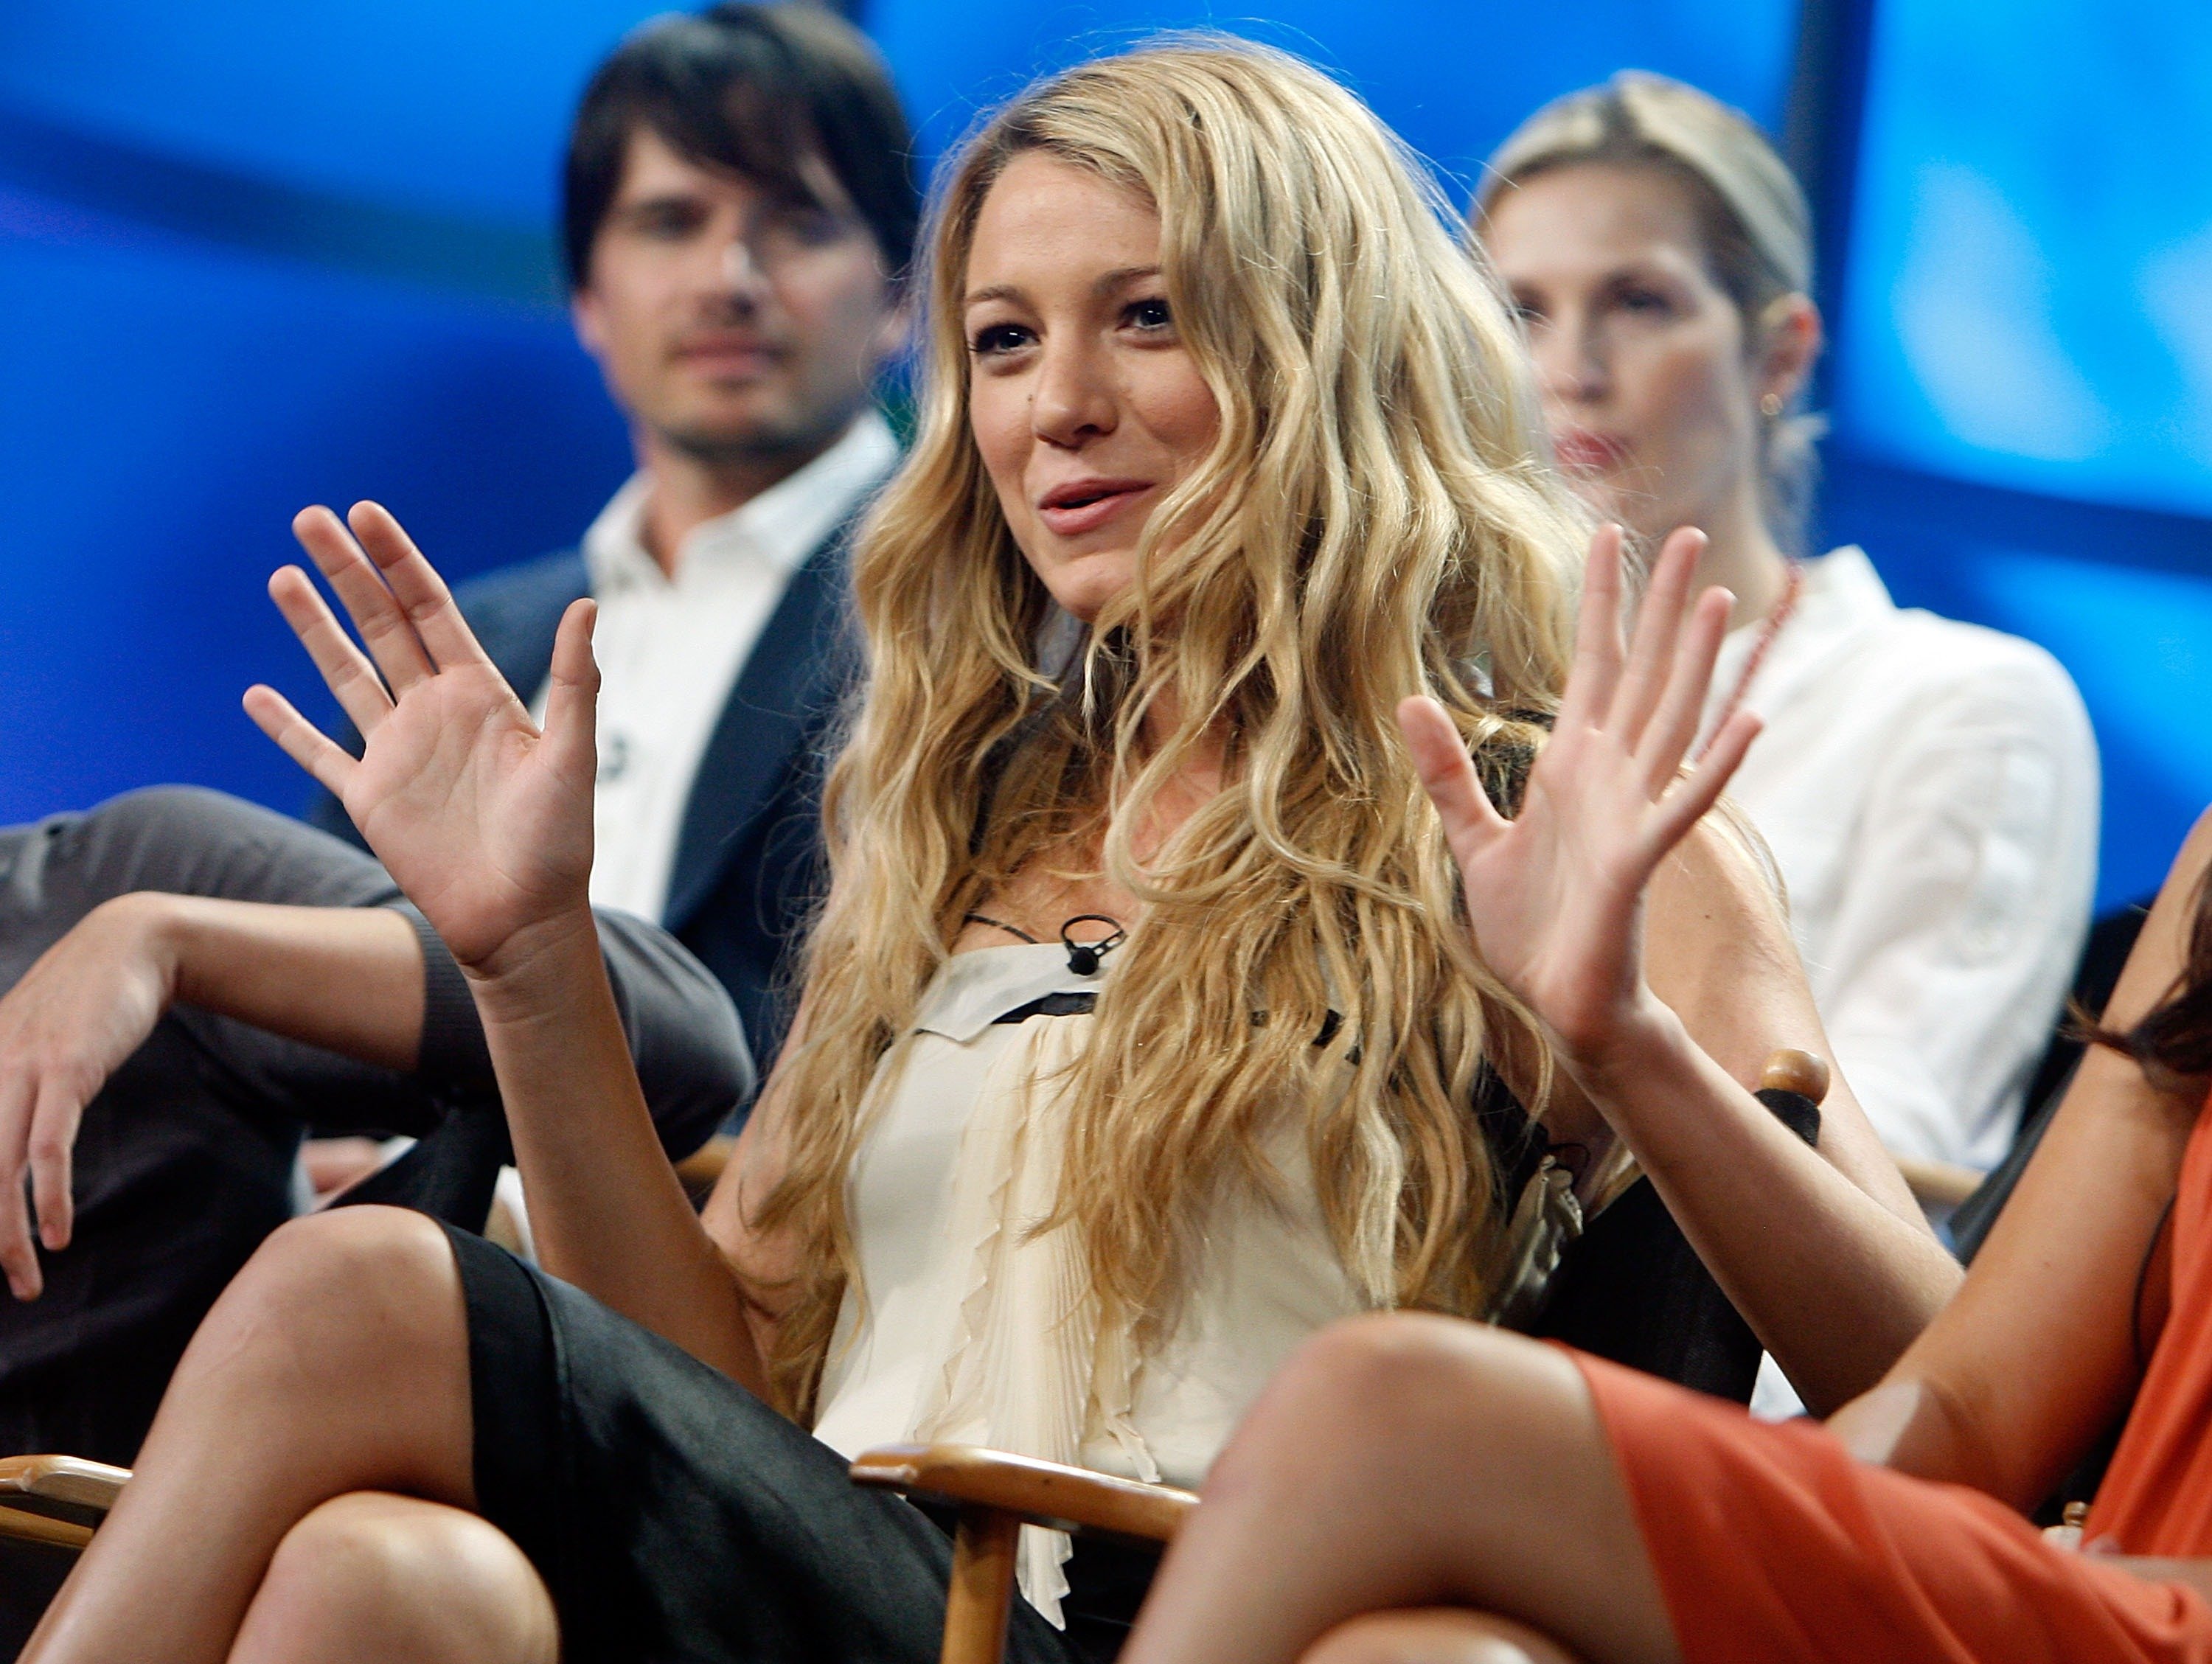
(180, 840)
(683, 1032)
(184, 841)
(692, 1059)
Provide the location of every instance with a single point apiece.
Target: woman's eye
(994, 339)
(1152, 315)
(1644, 300)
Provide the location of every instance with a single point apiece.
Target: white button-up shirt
(1929, 790)
(671, 648)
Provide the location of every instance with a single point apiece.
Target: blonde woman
(1139, 1032)
(1928, 787)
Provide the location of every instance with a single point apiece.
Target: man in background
(740, 210)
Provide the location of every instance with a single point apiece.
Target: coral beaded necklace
(1793, 585)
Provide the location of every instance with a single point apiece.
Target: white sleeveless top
(965, 1326)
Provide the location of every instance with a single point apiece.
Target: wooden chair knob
(1790, 1069)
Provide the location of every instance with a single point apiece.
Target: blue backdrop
(2023, 372)
(262, 254)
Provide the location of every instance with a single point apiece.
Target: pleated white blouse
(965, 1324)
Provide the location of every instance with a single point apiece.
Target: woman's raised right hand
(481, 817)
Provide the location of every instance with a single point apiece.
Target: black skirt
(673, 1515)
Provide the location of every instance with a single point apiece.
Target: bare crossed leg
(304, 1493)
(1398, 1466)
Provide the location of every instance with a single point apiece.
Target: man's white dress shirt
(671, 648)
(1929, 790)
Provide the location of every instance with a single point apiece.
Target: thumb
(572, 695)
(1448, 774)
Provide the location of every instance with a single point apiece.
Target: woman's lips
(1073, 519)
(1580, 451)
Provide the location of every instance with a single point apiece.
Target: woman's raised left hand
(481, 817)
(1555, 894)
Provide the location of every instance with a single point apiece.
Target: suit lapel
(789, 681)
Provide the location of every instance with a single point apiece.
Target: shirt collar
(781, 527)
(1844, 588)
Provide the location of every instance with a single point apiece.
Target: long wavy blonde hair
(1372, 520)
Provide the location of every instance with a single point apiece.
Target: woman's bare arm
(2037, 1354)
(485, 822)
(607, 1211)
(1825, 1252)
(1821, 1251)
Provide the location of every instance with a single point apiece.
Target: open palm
(481, 817)
(1555, 896)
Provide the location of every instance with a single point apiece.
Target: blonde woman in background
(1928, 788)
(1141, 1030)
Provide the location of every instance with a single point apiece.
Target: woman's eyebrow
(1121, 275)
(1104, 283)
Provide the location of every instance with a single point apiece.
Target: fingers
(1665, 738)
(1596, 669)
(1448, 774)
(301, 740)
(53, 1140)
(345, 668)
(1658, 627)
(571, 693)
(385, 629)
(18, 1258)
(1683, 807)
(423, 598)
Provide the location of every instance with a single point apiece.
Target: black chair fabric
(1633, 1289)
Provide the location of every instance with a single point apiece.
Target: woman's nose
(1074, 400)
(1570, 362)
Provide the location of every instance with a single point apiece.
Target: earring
(1770, 405)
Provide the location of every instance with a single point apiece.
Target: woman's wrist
(533, 973)
(1643, 1039)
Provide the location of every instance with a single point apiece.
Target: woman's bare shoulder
(1720, 887)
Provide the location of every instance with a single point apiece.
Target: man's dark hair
(755, 89)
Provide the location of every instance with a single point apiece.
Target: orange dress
(1773, 1546)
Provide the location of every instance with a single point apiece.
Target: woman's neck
(1742, 556)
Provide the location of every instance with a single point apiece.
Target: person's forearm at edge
(348, 979)
(1835, 1285)
(606, 1210)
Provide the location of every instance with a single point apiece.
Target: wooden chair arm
(55, 1499)
(1042, 1493)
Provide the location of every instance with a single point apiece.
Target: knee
(368, 1565)
(359, 1554)
(370, 1275)
(1397, 1368)
(1382, 1391)
(1439, 1636)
